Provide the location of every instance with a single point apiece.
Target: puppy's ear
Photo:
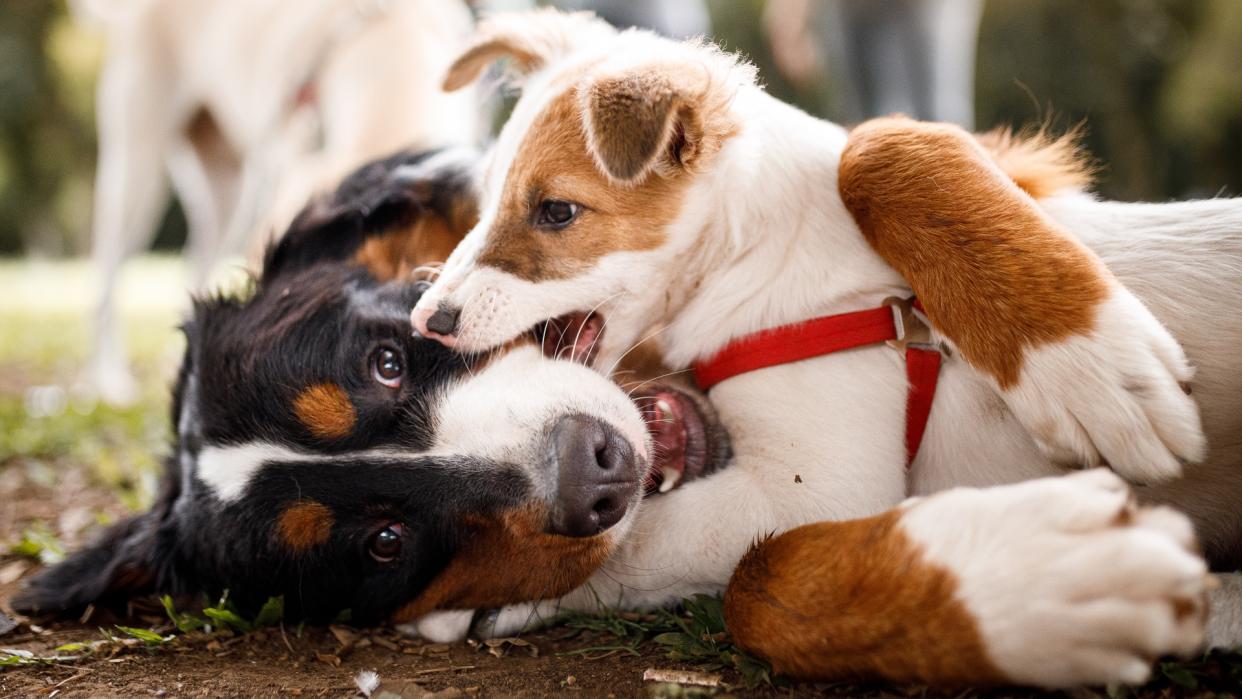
(531, 40)
(663, 117)
(122, 563)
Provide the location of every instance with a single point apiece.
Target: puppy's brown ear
(530, 39)
(661, 117)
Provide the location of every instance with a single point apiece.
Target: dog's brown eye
(386, 367)
(554, 213)
(385, 546)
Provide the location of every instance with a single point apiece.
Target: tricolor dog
(324, 453)
(645, 188)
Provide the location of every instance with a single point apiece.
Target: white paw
(1114, 397)
(1068, 580)
(451, 625)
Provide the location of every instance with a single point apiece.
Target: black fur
(312, 317)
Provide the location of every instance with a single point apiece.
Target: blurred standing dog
(248, 107)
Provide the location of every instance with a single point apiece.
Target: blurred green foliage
(48, 419)
(1155, 81)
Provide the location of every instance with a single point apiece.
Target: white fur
(763, 239)
(1096, 601)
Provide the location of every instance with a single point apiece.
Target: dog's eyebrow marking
(325, 410)
(228, 468)
(304, 525)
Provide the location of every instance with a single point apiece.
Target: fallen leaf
(328, 659)
(13, 572)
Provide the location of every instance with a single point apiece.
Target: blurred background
(1157, 84)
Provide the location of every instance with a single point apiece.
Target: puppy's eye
(556, 214)
(387, 367)
(385, 545)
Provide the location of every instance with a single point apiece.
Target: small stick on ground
(701, 679)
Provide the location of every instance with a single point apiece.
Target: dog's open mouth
(574, 336)
(686, 441)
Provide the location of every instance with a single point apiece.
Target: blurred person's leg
(953, 32)
(679, 19)
(914, 57)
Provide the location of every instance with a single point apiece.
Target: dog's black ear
(379, 198)
(122, 563)
(663, 117)
(530, 40)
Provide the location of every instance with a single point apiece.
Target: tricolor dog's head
(325, 453)
(589, 199)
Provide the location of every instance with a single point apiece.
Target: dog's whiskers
(633, 347)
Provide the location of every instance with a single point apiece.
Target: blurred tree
(1112, 64)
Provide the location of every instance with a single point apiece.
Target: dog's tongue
(574, 337)
(667, 427)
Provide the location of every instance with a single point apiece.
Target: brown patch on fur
(1041, 164)
(325, 410)
(304, 525)
(508, 559)
(993, 272)
(838, 600)
(398, 253)
(556, 161)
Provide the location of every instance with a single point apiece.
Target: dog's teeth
(666, 410)
(671, 476)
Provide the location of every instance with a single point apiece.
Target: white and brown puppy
(248, 108)
(655, 185)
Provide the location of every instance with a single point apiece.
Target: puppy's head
(325, 453)
(589, 196)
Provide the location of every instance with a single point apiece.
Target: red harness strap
(815, 338)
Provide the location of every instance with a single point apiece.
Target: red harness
(814, 338)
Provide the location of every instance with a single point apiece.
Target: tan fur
(508, 559)
(554, 161)
(325, 410)
(836, 600)
(304, 525)
(397, 254)
(639, 119)
(1041, 164)
(992, 271)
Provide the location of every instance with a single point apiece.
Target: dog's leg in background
(130, 193)
(1086, 368)
(1052, 582)
(205, 173)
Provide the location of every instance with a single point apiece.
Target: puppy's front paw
(1068, 580)
(1114, 396)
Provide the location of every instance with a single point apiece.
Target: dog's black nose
(597, 475)
(444, 320)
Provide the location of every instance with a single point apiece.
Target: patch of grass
(694, 635)
(40, 543)
(224, 615)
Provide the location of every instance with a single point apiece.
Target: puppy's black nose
(444, 320)
(597, 475)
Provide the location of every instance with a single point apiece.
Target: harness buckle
(913, 330)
